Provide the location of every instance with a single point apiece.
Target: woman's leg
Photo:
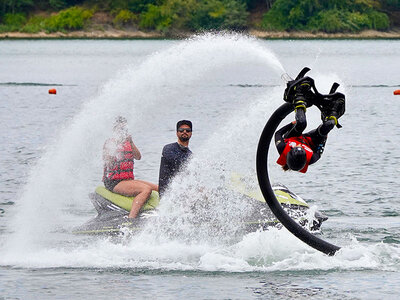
(139, 190)
(153, 186)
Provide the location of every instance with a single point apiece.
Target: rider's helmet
(296, 158)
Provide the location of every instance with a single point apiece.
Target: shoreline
(135, 34)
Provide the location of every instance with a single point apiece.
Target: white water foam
(198, 228)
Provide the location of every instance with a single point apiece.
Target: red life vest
(303, 141)
(122, 167)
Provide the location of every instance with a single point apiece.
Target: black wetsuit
(174, 156)
(318, 136)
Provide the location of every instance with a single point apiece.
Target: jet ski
(262, 217)
(112, 213)
(113, 209)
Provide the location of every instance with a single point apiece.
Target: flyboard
(323, 102)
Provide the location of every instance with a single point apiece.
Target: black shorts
(110, 184)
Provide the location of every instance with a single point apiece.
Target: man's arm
(167, 168)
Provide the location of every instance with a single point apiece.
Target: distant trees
(189, 14)
(24, 6)
(13, 6)
(161, 15)
(329, 15)
(72, 18)
(196, 15)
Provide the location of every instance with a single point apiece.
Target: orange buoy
(396, 92)
(52, 91)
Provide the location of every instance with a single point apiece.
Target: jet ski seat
(126, 202)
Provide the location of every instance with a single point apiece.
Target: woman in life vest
(119, 153)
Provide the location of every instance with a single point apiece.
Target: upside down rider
(298, 150)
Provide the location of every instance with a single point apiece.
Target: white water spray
(151, 94)
(67, 172)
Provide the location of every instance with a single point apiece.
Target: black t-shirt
(174, 156)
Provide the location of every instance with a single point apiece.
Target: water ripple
(34, 84)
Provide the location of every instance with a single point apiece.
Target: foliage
(391, 4)
(124, 17)
(209, 15)
(15, 6)
(215, 14)
(58, 4)
(172, 13)
(138, 6)
(194, 15)
(114, 6)
(379, 21)
(72, 18)
(12, 22)
(156, 17)
(14, 19)
(329, 16)
(35, 24)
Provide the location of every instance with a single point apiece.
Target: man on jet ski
(175, 155)
(119, 153)
(297, 150)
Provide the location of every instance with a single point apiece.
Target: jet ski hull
(112, 218)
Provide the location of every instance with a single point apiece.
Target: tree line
(197, 15)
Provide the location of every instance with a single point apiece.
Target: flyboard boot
(302, 93)
(298, 91)
(332, 106)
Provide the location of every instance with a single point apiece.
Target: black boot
(334, 110)
(298, 93)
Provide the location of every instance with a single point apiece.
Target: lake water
(228, 85)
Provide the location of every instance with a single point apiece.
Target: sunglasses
(184, 129)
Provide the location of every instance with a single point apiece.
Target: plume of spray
(72, 164)
(201, 205)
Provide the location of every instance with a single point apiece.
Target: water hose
(266, 189)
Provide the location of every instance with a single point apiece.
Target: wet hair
(119, 123)
(120, 120)
(184, 122)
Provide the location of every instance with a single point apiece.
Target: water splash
(155, 88)
(151, 88)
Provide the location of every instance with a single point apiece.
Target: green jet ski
(113, 210)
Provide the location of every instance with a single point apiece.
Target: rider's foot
(332, 117)
(298, 90)
(339, 107)
(335, 111)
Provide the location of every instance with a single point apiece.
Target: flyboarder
(298, 150)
